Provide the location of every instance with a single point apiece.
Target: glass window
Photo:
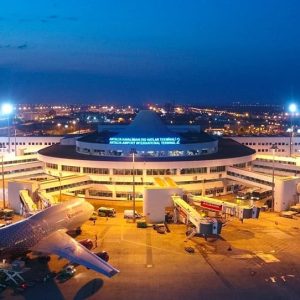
(217, 169)
(52, 166)
(193, 171)
(103, 171)
(127, 172)
(70, 169)
(161, 172)
(96, 193)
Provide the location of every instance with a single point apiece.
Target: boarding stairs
(27, 203)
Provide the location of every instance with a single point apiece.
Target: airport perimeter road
(259, 259)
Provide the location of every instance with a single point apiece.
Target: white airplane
(45, 232)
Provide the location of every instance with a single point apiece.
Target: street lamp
(133, 152)
(273, 148)
(7, 109)
(292, 110)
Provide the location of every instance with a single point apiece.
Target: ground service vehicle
(67, 273)
(128, 214)
(261, 194)
(243, 195)
(6, 214)
(106, 212)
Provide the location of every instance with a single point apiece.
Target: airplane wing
(63, 245)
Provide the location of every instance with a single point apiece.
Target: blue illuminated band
(144, 141)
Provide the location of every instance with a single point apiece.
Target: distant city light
(6, 108)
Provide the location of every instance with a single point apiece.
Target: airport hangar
(101, 165)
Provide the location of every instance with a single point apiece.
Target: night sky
(127, 52)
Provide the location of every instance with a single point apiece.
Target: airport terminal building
(157, 154)
(119, 160)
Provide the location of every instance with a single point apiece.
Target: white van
(128, 214)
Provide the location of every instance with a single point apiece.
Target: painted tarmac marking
(149, 254)
(267, 258)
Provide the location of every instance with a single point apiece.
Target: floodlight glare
(6, 108)
(292, 107)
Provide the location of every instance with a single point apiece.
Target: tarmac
(256, 259)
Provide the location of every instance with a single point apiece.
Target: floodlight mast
(6, 110)
(292, 110)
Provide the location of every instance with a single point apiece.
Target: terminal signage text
(145, 141)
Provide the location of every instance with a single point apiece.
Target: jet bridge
(227, 208)
(187, 214)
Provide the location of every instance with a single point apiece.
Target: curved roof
(228, 148)
(146, 124)
(191, 137)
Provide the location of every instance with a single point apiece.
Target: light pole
(8, 133)
(15, 132)
(74, 124)
(3, 182)
(292, 109)
(59, 179)
(133, 152)
(7, 109)
(273, 148)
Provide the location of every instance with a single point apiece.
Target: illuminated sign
(210, 206)
(144, 141)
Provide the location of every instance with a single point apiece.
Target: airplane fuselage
(19, 238)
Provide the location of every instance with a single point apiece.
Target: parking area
(258, 259)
